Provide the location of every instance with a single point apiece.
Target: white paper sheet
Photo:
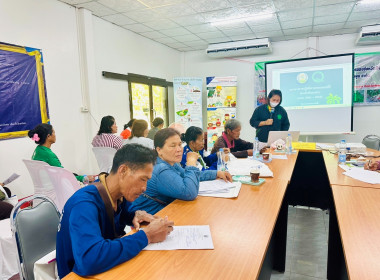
(185, 238)
(279, 157)
(243, 167)
(219, 188)
(325, 146)
(11, 178)
(371, 177)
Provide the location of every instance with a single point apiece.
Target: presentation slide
(317, 92)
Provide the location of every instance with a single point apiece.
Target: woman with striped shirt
(105, 136)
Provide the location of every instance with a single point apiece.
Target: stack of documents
(185, 237)
(219, 188)
(371, 177)
(244, 166)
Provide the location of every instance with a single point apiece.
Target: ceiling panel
(175, 31)
(297, 23)
(295, 31)
(119, 19)
(218, 40)
(362, 7)
(186, 38)
(188, 20)
(153, 34)
(97, 9)
(292, 4)
(180, 9)
(330, 19)
(161, 24)
(122, 6)
(328, 27)
(295, 14)
(209, 5)
(210, 35)
(201, 28)
(185, 24)
(138, 27)
(143, 15)
(342, 8)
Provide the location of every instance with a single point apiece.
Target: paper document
(279, 157)
(185, 238)
(371, 177)
(325, 146)
(244, 166)
(13, 177)
(219, 188)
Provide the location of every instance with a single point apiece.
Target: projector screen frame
(319, 57)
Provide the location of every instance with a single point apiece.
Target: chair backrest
(64, 182)
(104, 156)
(372, 142)
(41, 180)
(35, 230)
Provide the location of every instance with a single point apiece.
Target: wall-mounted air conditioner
(240, 48)
(369, 35)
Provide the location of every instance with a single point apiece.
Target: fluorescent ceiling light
(242, 19)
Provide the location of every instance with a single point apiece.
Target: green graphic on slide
(333, 99)
(318, 77)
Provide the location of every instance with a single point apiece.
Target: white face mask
(273, 104)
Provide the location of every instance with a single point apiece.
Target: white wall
(366, 119)
(52, 26)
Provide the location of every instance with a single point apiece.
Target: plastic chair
(41, 180)
(34, 229)
(64, 182)
(104, 156)
(372, 142)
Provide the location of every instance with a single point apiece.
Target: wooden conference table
(249, 232)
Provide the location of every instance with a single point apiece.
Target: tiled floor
(306, 248)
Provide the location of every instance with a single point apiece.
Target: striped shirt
(107, 140)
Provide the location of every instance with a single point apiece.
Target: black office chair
(372, 142)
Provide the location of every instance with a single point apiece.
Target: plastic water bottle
(256, 152)
(288, 145)
(221, 166)
(342, 152)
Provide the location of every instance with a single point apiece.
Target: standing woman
(169, 180)
(44, 135)
(270, 116)
(157, 123)
(105, 136)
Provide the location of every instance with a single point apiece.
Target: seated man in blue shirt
(90, 236)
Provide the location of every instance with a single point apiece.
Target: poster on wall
(188, 101)
(22, 90)
(221, 105)
(367, 79)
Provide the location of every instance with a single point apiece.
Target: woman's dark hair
(138, 128)
(42, 130)
(162, 135)
(274, 92)
(157, 121)
(135, 156)
(192, 134)
(106, 124)
(129, 124)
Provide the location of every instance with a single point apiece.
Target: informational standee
(188, 101)
(22, 90)
(366, 80)
(221, 105)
